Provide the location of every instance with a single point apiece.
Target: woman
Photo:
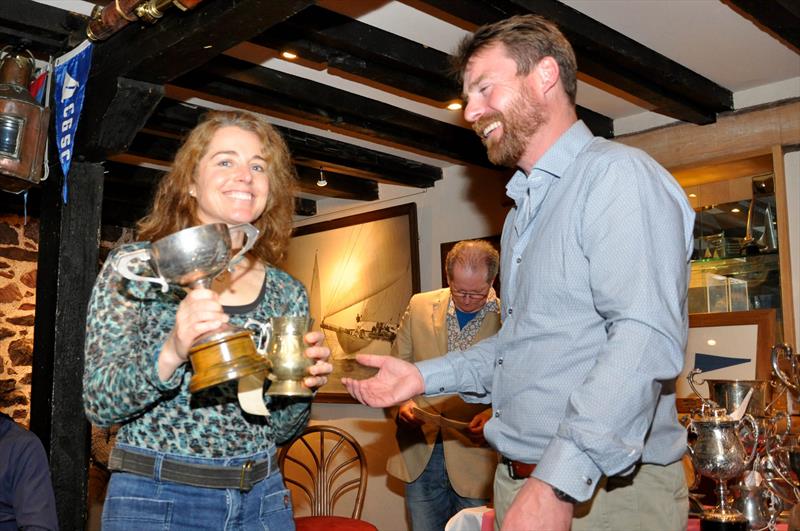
(198, 461)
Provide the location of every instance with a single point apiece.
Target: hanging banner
(72, 72)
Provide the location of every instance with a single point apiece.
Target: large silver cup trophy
(281, 341)
(192, 258)
(718, 453)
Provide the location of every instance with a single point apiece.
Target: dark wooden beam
(372, 54)
(779, 18)
(227, 80)
(341, 42)
(44, 30)
(340, 185)
(179, 42)
(305, 207)
(608, 56)
(172, 120)
(131, 103)
(69, 238)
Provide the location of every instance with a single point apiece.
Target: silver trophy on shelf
(192, 258)
(718, 453)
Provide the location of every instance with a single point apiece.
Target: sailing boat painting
(360, 272)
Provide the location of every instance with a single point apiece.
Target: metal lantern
(23, 124)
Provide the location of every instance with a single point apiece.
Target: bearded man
(595, 269)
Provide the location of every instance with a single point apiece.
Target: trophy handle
(782, 376)
(251, 235)
(262, 332)
(754, 425)
(122, 265)
(707, 403)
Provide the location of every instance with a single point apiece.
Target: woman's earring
(191, 193)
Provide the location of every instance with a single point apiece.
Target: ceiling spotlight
(454, 106)
(289, 55)
(322, 182)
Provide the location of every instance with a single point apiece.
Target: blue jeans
(431, 500)
(138, 502)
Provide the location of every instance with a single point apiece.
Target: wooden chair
(326, 463)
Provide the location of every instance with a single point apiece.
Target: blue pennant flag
(72, 72)
(711, 362)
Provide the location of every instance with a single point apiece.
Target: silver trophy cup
(280, 340)
(192, 258)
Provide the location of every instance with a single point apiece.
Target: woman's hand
(321, 369)
(199, 312)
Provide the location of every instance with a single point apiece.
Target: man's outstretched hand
(395, 382)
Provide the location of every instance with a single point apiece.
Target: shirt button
(500, 361)
(441, 389)
(510, 311)
(588, 481)
(519, 259)
(497, 413)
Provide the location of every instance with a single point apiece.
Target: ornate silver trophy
(281, 342)
(718, 453)
(192, 258)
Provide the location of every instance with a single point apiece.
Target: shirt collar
(555, 160)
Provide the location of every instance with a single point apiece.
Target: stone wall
(19, 245)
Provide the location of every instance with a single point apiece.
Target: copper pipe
(115, 16)
(111, 19)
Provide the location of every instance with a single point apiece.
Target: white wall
(466, 203)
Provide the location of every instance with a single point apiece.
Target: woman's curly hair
(174, 209)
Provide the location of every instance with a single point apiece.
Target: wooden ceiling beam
(179, 42)
(227, 80)
(44, 30)
(609, 56)
(345, 44)
(172, 120)
(779, 18)
(341, 42)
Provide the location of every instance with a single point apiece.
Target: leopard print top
(127, 323)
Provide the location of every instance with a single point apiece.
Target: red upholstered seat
(332, 523)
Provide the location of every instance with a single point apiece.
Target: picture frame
(733, 345)
(360, 272)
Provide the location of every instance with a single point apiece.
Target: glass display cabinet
(737, 263)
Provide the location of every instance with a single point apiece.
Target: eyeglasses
(468, 294)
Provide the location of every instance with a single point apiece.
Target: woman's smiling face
(231, 184)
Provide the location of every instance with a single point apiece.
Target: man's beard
(520, 122)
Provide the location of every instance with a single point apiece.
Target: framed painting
(726, 346)
(360, 272)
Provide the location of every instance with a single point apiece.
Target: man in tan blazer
(447, 469)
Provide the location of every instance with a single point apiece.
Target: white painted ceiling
(705, 36)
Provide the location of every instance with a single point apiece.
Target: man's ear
(548, 73)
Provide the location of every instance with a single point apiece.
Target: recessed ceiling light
(322, 182)
(289, 55)
(454, 106)
(692, 195)
(735, 210)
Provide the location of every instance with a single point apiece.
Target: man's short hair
(473, 254)
(527, 39)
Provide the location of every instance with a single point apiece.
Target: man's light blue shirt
(594, 277)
